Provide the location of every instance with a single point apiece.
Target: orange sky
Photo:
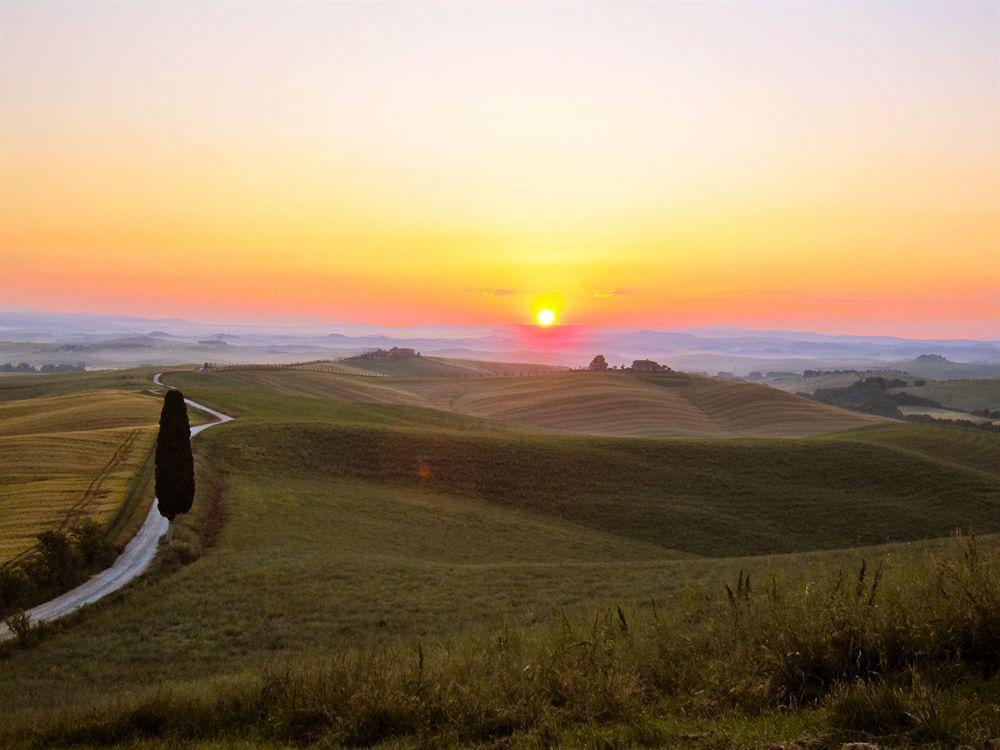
(829, 167)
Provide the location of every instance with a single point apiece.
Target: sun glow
(770, 203)
(545, 317)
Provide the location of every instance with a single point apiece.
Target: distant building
(648, 365)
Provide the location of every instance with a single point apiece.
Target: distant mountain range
(40, 337)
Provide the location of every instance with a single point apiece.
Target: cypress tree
(174, 461)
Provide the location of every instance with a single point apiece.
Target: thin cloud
(498, 293)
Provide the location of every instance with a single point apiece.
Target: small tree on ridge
(174, 461)
(598, 364)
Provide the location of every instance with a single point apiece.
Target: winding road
(131, 563)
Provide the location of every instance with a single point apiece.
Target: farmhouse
(648, 365)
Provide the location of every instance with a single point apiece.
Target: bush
(57, 562)
(93, 544)
(14, 587)
(19, 624)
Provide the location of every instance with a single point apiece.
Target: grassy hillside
(611, 404)
(69, 457)
(371, 559)
(324, 526)
(90, 410)
(342, 533)
(899, 653)
(14, 387)
(936, 367)
(443, 367)
(964, 395)
(975, 449)
(800, 384)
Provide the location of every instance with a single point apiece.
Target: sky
(831, 166)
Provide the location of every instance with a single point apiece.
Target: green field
(964, 395)
(340, 514)
(442, 367)
(609, 404)
(960, 395)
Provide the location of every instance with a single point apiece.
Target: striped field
(610, 404)
(68, 457)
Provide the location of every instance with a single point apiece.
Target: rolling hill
(91, 410)
(964, 395)
(612, 404)
(401, 515)
(432, 367)
(351, 523)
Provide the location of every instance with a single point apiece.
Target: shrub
(93, 544)
(56, 563)
(14, 586)
(19, 624)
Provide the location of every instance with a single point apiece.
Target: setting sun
(545, 317)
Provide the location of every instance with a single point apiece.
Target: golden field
(69, 457)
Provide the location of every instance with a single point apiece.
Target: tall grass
(880, 651)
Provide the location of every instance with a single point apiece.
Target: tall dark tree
(174, 461)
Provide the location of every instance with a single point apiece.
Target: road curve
(136, 557)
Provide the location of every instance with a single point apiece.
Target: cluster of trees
(397, 352)
(58, 561)
(820, 373)
(871, 396)
(49, 367)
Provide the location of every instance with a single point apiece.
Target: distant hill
(618, 404)
(696, 349)
(934, 366)
(442, 367)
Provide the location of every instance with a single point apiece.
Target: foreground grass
(907, 655)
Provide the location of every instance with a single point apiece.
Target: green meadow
(383, 572)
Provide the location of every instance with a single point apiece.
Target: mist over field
(38, 337)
